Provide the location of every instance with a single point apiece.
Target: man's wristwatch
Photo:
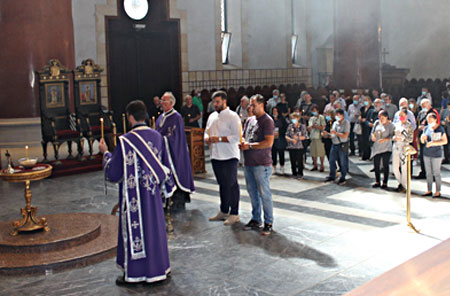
(250, 146)
(220, 139)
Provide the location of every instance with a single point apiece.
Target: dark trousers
(296, 156)
(422, 164)
(226, 175)
(280, 153)
(386, 156)
(327, 144)
(352, 138)
(365, 143)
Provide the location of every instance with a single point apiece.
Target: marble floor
(328, 239)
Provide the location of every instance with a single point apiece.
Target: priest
(170, 125)
(140, 164)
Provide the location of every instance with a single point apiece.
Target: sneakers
(252, 225)
(231, 220)
(219, 217)
(341, 182)
(282, 170)
(267, 230)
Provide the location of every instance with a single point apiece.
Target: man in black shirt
(190, 112)
(155, 108)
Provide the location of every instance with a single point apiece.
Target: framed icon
(54, 95)
(88, 92)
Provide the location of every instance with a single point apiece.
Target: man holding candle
(223, 133)
(259, 137)
(140, 164)
(190, 113)
(170, 126)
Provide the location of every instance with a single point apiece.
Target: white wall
(201, 22)
(83, 14)
(417, 35)
(269, 33)
(321, 31)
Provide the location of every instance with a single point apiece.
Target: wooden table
(29, 221)
(425, 274)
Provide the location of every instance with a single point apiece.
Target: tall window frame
(225, 36)
(294, 37)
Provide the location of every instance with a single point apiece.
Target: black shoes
(400, 189)
(420, 176)
(341, 182)
(328, 179)
(120, 281)
(384, 186)
(267, 230)
(428, 194)
(252, 225)
(376, 185)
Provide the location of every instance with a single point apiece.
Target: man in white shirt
(242, 109)
(273, 101)
(223, 134)
(425, 94)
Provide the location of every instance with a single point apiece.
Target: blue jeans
(336, 153)
(258, 187)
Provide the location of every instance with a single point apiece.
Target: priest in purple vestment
(170, 125)
(140, 165)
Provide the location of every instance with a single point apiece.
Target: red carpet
(74, 166)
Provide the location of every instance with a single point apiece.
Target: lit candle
(26, 151)
(101, 128)
(240, 132)
(124, 123)
(114, 134)
(153, 122)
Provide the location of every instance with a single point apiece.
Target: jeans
(226, 175)
(337, 154)
(433, 169)
(258, 187)
(386, 157)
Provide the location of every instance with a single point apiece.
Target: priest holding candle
(223, 133)
(140, 164)
(170, 125)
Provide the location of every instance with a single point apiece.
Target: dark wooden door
(142, 63)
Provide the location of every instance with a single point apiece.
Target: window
(294, 39)
(224, 35)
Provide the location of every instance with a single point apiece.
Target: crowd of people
(150, 163)
(369, 125)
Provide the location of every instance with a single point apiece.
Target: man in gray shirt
(390, 108)
(339, 150)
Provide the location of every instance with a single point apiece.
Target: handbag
(344, 147)
(357, 129)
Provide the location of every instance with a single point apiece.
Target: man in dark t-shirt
(259, 136)
(190, 112)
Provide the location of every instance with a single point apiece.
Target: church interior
(70, 68)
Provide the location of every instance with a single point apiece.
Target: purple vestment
(140, 163)
(171, 127)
